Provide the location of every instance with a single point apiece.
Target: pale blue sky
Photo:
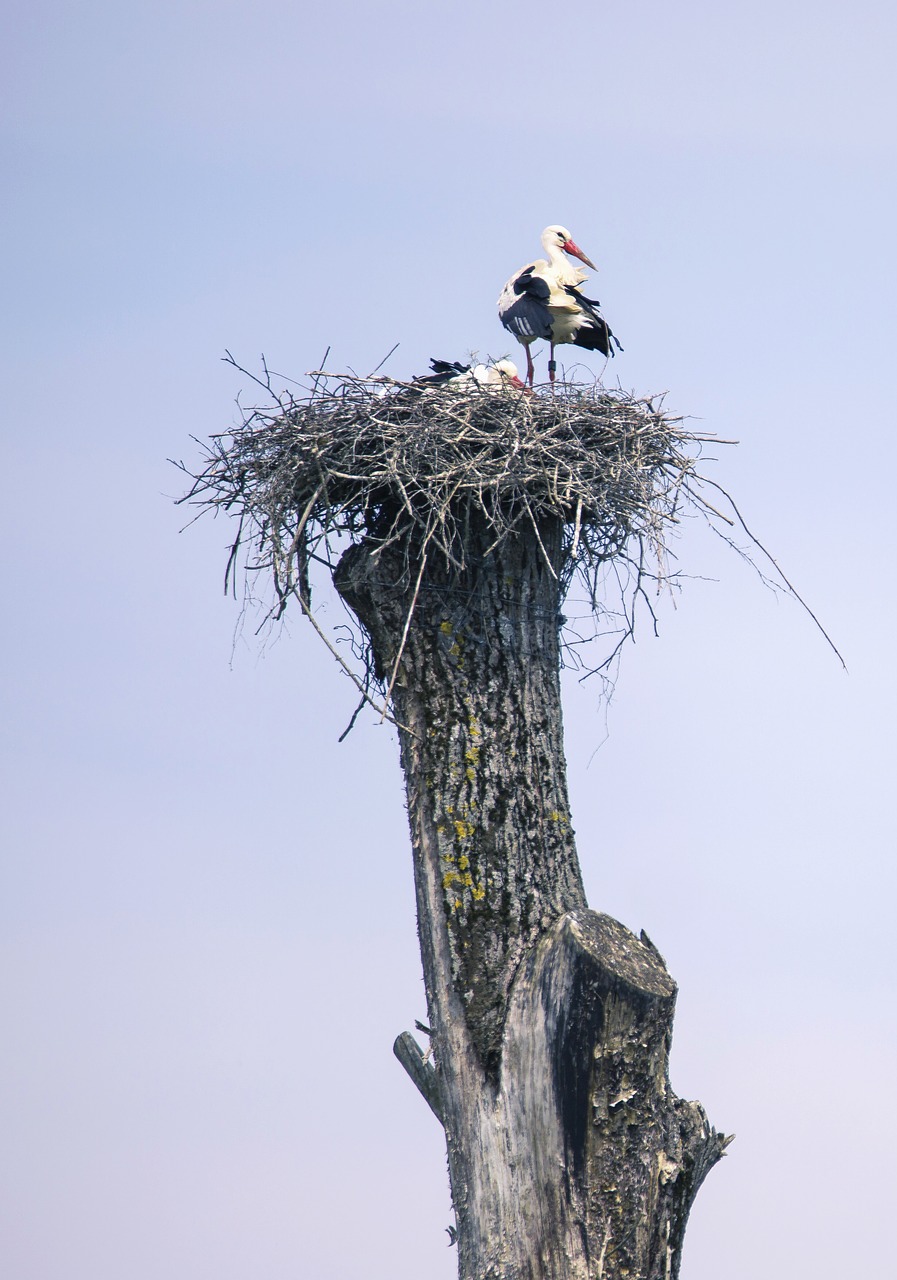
(207, 914)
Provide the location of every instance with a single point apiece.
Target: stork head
(496, 376)
(508, 371)
(557, 237)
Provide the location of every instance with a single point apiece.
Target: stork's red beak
(576, 252)
(515, 381)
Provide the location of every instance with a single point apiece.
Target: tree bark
(569, 1156)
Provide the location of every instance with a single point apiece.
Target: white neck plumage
(559, 264)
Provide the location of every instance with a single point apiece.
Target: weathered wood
(584, 1075)
(422, 1072)
(478, 687)
(569, 1156)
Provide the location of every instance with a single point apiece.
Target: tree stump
(569, 1156)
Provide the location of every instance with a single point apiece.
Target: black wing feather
(528, 316)
(443, 371)
(595, 334)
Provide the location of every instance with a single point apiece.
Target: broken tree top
(384, 461)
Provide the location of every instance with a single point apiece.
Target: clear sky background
(208, 939)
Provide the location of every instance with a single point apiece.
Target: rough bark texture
(569, 1156)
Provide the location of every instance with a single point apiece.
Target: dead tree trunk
(569, 1156)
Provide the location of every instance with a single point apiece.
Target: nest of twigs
(386, 462)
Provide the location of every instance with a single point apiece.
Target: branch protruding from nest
(354, 459)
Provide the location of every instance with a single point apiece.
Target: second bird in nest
(461, 377)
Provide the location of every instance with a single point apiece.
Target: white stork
(460, 377)
(543, 300)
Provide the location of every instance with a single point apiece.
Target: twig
(405, 630)
(775, 564)
(351, 674)
(574, 549)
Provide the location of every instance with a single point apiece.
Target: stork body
(461, 377)
(543, 300)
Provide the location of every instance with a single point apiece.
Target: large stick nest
(391, 463)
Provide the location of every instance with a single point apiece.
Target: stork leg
(530, 367)
(552, 367)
